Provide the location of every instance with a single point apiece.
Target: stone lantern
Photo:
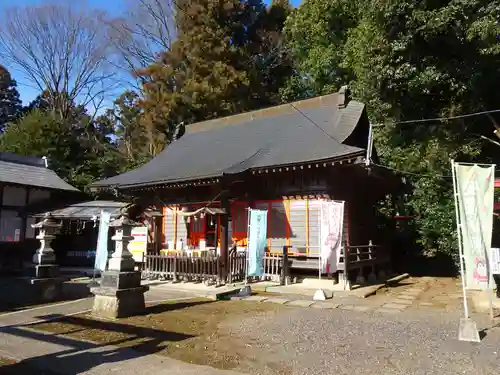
(46, 271)
(120, 293)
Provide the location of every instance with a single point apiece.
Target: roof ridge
(34, 161)
(263, 112)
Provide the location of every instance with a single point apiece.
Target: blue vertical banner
(101, 256)
(257, 240)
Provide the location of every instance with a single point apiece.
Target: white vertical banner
(495, 261)
(257, 241)
(101, 256)
(332, 220)
(474, 186)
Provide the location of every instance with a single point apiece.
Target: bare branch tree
(147, 28)
(62, 50)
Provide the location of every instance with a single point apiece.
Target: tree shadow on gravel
(121, 342)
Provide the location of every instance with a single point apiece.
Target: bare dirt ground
(188, 331)
(272, 339)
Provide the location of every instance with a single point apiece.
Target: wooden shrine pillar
(224, 234)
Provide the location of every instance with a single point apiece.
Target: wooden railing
(193, 268)
(208, 268)
(365, 255)
(272, 266)
(185, 268)
(237, 267)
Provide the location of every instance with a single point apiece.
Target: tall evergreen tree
(10, 104)
(224, 61)
(135, 143)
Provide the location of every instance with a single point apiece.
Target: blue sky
(114, 7)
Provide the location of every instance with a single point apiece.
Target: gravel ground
(314, 341)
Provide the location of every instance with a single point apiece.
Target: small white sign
(495, 260)
(17, 235)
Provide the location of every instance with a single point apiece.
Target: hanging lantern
(188, 219)
(202, 215)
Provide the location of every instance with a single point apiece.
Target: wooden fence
(207, 268)
(193, 268)
(366, 256)
(272, 267)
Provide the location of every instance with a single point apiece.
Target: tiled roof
(30, 172)
(305, 131)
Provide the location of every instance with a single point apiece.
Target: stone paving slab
(256, 298)
(383, 310)
(325, 305)
(413, 292)
(362, 308)
(300, 303)
(346, 307)
(402, 301)
(394, 306)
(280, 301)
(404, 296)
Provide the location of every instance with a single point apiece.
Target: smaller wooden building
(285, 159)
(26, 182)
(76, 244)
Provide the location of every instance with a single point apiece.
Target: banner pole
(321, 218)
(248, 246)
(488, 268)
(459, 237)
(486, 256)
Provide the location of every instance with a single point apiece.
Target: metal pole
(369, 145)
(488, 265)
(248, 247)
(341, 240)
(319, 232)
(459, 236)
(487, 258)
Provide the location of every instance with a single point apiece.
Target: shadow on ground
(18, 294)
(76, 356)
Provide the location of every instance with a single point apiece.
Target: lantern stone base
(119, 295)
(44, 271)
(47, 289)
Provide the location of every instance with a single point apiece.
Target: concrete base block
(120, 280)
(246, 291)
(360, 280)
(44, 271)
(344, 282)
(319, 295)
(112, 303)
(382, 276)
(372, 278)
(47, 289)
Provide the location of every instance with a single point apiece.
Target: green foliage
(135, 143)
(227, 59)
(316, 33)
(408, 60)
(10, 104)
(78, 151)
